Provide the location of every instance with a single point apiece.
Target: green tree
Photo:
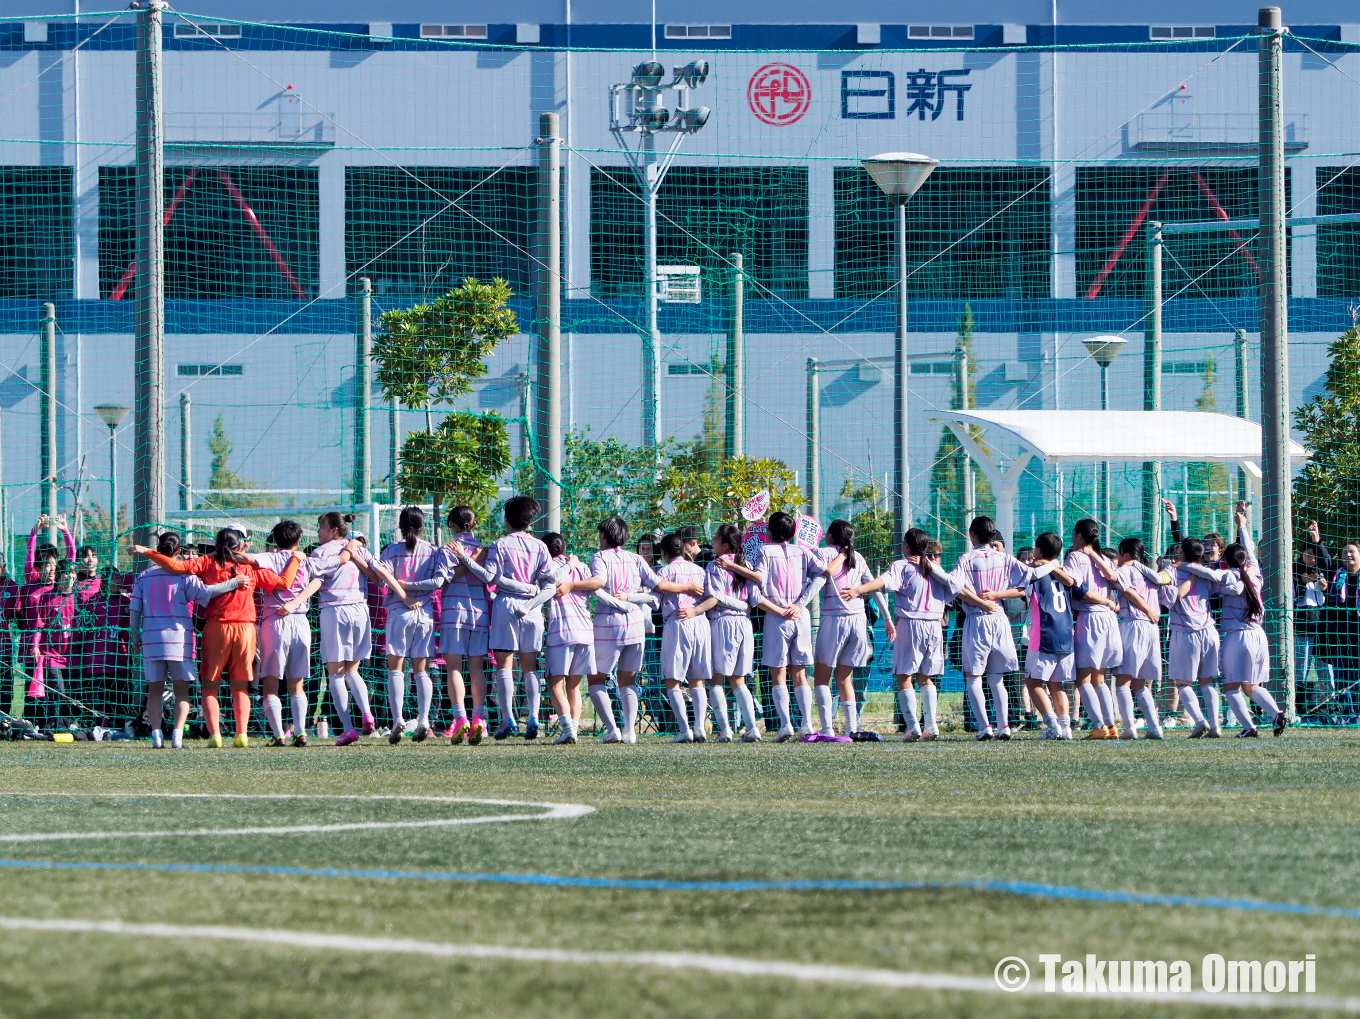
(96, 519)
(704, 490)
(948, 475)
(222, 476)
(1326, 489)
(866, 507)
(458, 462)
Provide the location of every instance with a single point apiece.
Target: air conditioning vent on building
(939, 31)
(678, 284)
(1181, 32)
(206, 29)
(698, 31)
(453, 31)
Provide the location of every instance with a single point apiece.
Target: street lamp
(1105, 349)
(638, 107)
(900, 175)
(112, 414)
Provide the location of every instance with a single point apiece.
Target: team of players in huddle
(1092, 615)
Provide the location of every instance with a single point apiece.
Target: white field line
(719, 965)
(552, 812)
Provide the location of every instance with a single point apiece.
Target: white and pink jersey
(1237, 614)
(785, 570)
(341, 583)
(1087, 574)
(165, 601)
(679, 571)
(271, 601)
(569, 619)
(1191, 611)
(1134, 580)
(916, 596)
(520, 557)
(622, 572)
(848, 574)
(465, 601)
(985, 569)
(735, 594)
(408, 566)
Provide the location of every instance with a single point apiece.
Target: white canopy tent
(1067, 436)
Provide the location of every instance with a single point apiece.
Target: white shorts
(919, 648)
(410, 632)
(732, 645)
(286, 646)
(570, 659)
(1050, 668)
(1193, 655)
(988, 646)
(842, 639)
(786, 641)
(612, 654)
(158, 670)
(1098, 643)
(345, 633)
(1246, 657)
(510, 633)
(457, 642)
(1142, 650)
(685, 649)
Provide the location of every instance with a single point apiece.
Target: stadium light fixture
(899, 175)
(1104, 349)
(646, 105)
(112, 414)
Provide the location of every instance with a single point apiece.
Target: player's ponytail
(1134, 549)
(1088, 531)
(1235, 555)
(227, 546)
(411, 523)
(916, 542)
(730, 536)
(982, 530)
(462, 519)
(337, 523)
(557, 546)
(168, 544)
(841, 533)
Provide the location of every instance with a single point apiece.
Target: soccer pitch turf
(670, 881)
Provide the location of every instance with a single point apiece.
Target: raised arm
(30, 554)
(70, 541)
(1244, 532)
(1170, 508)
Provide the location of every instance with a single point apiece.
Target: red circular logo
(779, 94)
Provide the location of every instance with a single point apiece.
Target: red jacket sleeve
(271, 581)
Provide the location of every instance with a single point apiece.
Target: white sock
(781, 705)
(1190, 704)
(359, 689)
(340, 700)
(424, 695)
(698, 696)
(930, 696)
(628, 697)
(677, 698)
(505, 694)
(747, 704)
(803, 694)
(717, 696)
(1125, 694)
(1149, 707)
(273, 710)
(396, 696)
(1091, 701)
(599, 696)
(824, 713)
(1051, 722)
(533, 696)
(1001, 701)
(1209, 691)
(299, 701)
(1064, 724)
(1106, 701)
(1237, 701)
(1262, 696)
(851, 708)
(978, 701)
(906, 697)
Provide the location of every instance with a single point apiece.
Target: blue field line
(1025, 888)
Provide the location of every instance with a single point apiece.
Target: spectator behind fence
(1342, 624)
(1311, 582)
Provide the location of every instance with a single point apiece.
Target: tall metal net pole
(1152, 382)
(734, 438)
(550, 319)
(1277, 544)
(148, 465)
(186, 452)
(814, 441)
(1240, 384)
(47, 363)
(363, 395)
(901, 368)
(651, 353)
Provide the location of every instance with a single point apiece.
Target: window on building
(207, 370)
(1109, 200)
(971, 232)
(703, 215)
(206, 30)
(698, 31)
(1181, 32)
(939, 31)
(212, 248)
(36, 246)
(1338, 246)
(453, 31)
(420, 230)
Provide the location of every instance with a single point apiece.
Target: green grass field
(1269, 821)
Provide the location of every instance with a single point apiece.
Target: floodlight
(693, 74)
(648, 74)
(111, 414)
(900, 174)
(1105, 348)
(690, 121)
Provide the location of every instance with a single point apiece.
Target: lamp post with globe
(112, 414)
(1104, 349)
